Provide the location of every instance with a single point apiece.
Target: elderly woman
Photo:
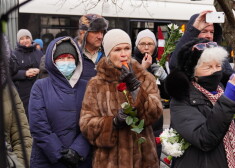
(54, 110)
(201, 111)
(145, 52)
(102, 118)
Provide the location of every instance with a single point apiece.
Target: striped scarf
(229, 138)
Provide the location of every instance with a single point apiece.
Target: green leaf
(129, 120)
(141, 124)
(135, 120)
(141, 140)
(137, 130)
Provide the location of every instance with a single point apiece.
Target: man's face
(94, 39)
(207, 33)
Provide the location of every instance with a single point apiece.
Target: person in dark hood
(54, 110)
(198, 28)
(92, 28)
(201, 110)
(28, 59)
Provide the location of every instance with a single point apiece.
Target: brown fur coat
(118, 148)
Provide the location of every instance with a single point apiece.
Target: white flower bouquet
(173, 144)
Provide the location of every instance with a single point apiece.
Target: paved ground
(166, 117)
(166, 123)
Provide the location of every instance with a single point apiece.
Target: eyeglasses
(203, 46)
(146, 44)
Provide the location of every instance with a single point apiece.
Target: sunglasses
(203, 46)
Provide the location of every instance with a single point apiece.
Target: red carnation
(121, 87)
(166, 160)
(158, 140)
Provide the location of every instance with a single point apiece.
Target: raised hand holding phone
(215, 17)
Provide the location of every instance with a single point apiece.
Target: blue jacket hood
(217, 28)
(54, 73)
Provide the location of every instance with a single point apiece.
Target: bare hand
(147, 61)
(31, 72)
(200, 22)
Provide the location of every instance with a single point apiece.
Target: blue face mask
(66, 67)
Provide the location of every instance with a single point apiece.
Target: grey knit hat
(145, 33)
(66, 47)
(114, 37)
(22, 33)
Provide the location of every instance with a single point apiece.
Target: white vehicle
(60, 17)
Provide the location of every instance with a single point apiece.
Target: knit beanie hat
(93, 22)
(39, 42)
(22, 33)
(145, 33)
(114, 37)
(66, 47)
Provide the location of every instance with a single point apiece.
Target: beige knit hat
(22, 33)
(114, 37)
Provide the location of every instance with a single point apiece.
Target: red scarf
(229, 138)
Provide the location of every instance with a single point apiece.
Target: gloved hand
(230, 88)
(159, 71)
(70, 158)
(119, 120)
(129, 78)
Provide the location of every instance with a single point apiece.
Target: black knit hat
(66, 47)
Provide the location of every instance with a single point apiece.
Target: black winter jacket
(27, 57)
(203, 126)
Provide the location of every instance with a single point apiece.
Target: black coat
(27, 57)
(204, 127)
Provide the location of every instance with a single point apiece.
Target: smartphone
(215, 17)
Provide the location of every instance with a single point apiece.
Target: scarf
(229, 138)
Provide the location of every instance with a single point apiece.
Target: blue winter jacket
(54, 112)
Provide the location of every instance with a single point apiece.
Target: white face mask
(66, 67)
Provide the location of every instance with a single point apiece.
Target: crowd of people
(73, 115)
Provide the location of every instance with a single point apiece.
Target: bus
(50, 19)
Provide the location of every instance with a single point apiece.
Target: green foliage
(174, 35)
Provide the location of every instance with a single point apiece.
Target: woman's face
(208, 68)
(146, 45)
(25, 41)
(120, 53)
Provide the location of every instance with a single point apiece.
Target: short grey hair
(218, 54)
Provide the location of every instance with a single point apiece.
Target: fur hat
(145, 33)
(93, 22)
(66, 47)
(114, 37)
(22, 33)
(178, 81)
(39, 42)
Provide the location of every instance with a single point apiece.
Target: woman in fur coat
(102, 118)
(201, 110)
